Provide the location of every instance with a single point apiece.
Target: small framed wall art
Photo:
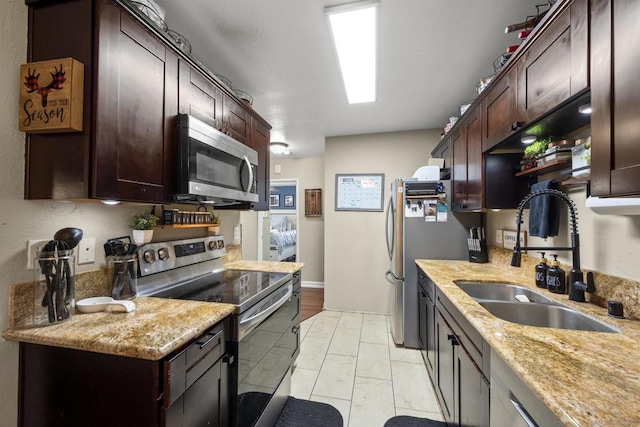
(313, 202)
(51, 96)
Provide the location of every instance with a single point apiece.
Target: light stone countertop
(267, 266)
(157, 327)
(585, 378)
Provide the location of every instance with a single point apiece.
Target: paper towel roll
(614, 205)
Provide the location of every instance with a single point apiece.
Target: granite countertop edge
(154, 330)
(585, 378)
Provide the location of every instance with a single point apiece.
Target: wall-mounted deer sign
(51, 96)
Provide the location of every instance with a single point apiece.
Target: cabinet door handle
(453, 339)
(516, 126)
(209, 340)
(295, 329)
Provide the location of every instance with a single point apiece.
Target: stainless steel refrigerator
(420, 225)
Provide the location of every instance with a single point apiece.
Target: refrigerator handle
(386, 228)
(391, 278)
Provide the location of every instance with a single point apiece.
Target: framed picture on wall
(274, 200)
(288, 200)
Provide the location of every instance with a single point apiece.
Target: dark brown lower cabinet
(461, 387)
(65, 387)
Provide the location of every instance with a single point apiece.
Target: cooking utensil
(92, 305)
(71, 236)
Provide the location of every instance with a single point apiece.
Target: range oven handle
(250, 183)
(258, 317)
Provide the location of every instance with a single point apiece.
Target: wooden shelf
(548, 167)
(584, 179)
(189, 225)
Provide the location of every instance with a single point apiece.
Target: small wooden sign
(51, 96)
(313, 202)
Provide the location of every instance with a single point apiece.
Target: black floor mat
(406, 421)
(298, 412)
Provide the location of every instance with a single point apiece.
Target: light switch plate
(87, 250)
(499, 238)
(33, 247)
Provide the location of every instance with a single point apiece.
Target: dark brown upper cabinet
(260, 138)
(467, 162)
(199, 96)
(237, 120)
(555, 65)
(126, 149)
(502, 117)
(136, 82)
(615, 97)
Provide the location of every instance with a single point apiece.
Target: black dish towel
(544, 212)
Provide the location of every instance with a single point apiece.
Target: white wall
(310, 174)
(356, 256)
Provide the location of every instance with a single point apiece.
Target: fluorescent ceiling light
(354, 29)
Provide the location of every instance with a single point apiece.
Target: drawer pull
(516, 126)
(209, 340)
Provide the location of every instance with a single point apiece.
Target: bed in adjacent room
(283, 238)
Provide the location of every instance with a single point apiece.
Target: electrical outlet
(33, 247)
(236, 234)
(499, 238)
(87, 250)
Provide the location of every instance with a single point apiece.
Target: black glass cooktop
(238, 287)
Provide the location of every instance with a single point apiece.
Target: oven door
(268, 341)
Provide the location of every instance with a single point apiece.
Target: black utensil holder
(478, 251)
(54, 290)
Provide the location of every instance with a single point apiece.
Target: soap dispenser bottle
(541, 272)
(556, 278)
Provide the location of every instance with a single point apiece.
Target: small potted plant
(215, 223)
(533, 151)
(142, 225)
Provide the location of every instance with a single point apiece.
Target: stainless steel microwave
(213, 167)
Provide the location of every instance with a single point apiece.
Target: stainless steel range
(265, 337)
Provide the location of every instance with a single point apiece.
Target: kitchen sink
(501, 292)
(545, 315)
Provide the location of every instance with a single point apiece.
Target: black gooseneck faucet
(577, 286)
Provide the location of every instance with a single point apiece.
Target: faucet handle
(516, 258)
(577, 288)
(591, 284)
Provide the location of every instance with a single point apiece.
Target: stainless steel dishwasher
(512, 403)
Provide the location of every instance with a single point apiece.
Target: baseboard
(313, 284)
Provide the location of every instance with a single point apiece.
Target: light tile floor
(349, 360)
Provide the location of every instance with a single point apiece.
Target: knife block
(478, 251)
(54, 292)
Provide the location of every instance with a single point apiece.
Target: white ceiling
(431, 55)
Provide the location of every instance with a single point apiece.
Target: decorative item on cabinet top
(51, 96)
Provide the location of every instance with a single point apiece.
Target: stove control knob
(213, 245)
(163, 253)
(220, 244)
(149, 256)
